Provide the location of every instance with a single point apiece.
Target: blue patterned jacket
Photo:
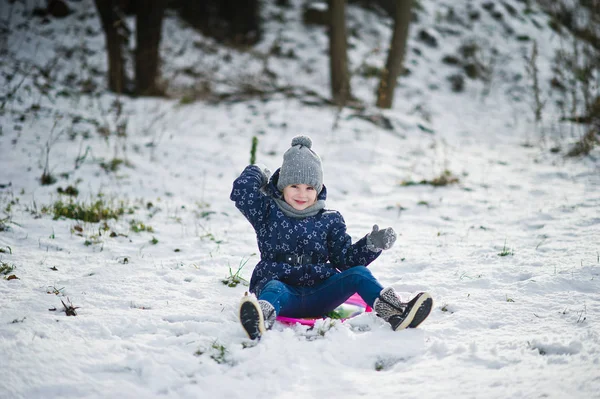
(322, 236)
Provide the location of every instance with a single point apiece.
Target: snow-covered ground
(154, 318)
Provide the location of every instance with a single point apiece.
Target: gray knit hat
(301, 165)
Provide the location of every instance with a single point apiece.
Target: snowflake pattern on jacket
(322, 237)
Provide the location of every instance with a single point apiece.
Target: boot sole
(251, 317)
(420, 309)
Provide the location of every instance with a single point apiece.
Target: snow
(155, 320)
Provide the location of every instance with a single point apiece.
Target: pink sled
(355, 300)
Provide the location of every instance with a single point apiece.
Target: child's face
(300, 196)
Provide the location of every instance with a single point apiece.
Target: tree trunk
(242, 18)
(394, 64)
(246, 25)
(200, 14)
(149, 16)
(115, 32)
(338, 61)
(233, 21)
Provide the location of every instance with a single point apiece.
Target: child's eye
(293, 186)
(310, 188)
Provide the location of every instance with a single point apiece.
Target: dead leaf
(70, 310)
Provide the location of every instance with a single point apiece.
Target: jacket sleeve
(247, 195)
(342, 253)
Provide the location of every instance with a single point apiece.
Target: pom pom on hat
(302, 140)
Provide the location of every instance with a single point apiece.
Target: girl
(308, 264)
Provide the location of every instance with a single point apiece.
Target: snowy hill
(510, 253)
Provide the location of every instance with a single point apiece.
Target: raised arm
(247, 195)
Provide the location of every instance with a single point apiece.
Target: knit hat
(301, 165)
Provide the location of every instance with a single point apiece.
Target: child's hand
(265, 172)
(381, 239)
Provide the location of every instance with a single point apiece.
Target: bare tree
(116, 33)
(234, 21)
(338, 58)
(242, 18)
(395, 60)
(149, 16)
(531, 67)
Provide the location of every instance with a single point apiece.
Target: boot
(268, 312)
(422, 303)
(402, 315)
(256, 316)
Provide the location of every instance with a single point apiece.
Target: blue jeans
(318, 300)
